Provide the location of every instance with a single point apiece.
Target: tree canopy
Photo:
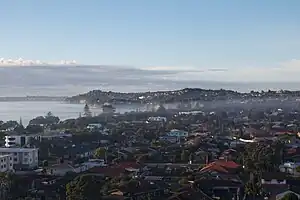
(84, 187)
(290, 196)
(45, 120)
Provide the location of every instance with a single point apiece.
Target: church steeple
(20, 122)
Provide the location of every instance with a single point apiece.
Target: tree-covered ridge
(187, 94)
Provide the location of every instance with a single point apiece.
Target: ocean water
(28, 110)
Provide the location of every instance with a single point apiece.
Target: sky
(211, 40)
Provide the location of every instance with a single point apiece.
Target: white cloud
(69, 80)
(284, 72)
(170, 68)
(22, 62)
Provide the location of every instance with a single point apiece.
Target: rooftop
(13, 150)
(4, 156)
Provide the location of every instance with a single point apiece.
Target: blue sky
(142, 33)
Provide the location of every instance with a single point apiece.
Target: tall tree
(86, 111)
(100, 152)
(84, 187)
(184, 156)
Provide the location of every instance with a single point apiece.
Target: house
(13, 140)
(22, 157)
(178, 133)
(278, 178)
(221, 166)
(278, 184)
(6, 163)
(80, 151)
(157, 119)
(220, 189)
(62, 169)
(142, 189)
(117, 170)
(171, 139)
(95, 126)
(189, 193)
(16, 140)
(290, 168)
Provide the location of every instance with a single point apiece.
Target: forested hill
(187, 94)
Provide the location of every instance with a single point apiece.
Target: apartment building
(22, 157)
(6, 163)
(16, 140)
(23, 140)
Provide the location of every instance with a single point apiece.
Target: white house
(94, 126)
(6, 163)
(178, 133)
(290, 168)
(23, 157)
(157, 119)
(62, 169)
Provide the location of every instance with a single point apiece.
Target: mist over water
(72, 80)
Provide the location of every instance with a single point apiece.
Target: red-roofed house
(221, 166)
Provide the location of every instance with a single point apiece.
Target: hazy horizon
(72, 80)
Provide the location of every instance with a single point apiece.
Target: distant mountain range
(183, 95)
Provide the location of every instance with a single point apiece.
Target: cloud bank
(73, 79)
(21, 62)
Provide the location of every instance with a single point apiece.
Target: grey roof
(16, 150)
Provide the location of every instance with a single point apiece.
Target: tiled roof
(115, 170)
(107, 171)
(220, 166)
(129, 165)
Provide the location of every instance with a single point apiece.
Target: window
(25, 160)
(4, 166)
(15, 160)
(26, 154)
(10, 158)
(15, 154)
(10, 164)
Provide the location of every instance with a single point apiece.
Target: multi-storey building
(6, 163)
(16, 140)
(22, 157)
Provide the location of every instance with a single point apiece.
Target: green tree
(19, 129)
(100, 152)
(84, 187)
(184, 156)
(253, 188)
(183, 181)
(290, 196)
(34, 129)
(11, 186)
(86, 111)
